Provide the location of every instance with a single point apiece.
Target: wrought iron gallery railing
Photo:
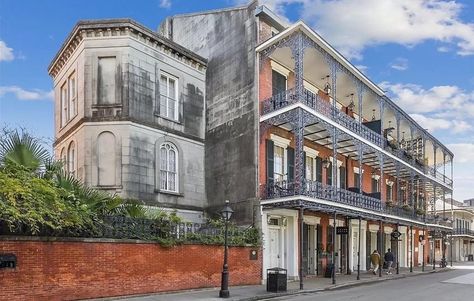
(314, 189)
(463, 231)
(288, 97)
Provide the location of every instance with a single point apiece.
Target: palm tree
(23, 149)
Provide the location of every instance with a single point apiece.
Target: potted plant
(420, 211)
(407, 207)
(390, 204)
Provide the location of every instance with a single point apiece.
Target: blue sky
(421, 52)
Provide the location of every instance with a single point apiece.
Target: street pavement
(455, 283)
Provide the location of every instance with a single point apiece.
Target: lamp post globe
(226, 213)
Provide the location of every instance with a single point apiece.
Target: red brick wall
(77, 270)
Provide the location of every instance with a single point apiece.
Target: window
(278, 82)
(356, 180)
(106, 159)
(279, 163)
(168, 167)
(168, 97)
(64, 105)
(106, 81)
(375, 184)
(72, 96)
(310, 163)
(389, 192)
(71, 159)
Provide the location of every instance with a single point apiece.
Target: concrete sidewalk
(258, 292)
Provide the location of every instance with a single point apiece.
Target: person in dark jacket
(389, 259)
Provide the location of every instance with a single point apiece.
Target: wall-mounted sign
(396, 234)
(342, 230)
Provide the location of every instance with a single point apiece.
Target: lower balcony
(369, 201)
(463, 231)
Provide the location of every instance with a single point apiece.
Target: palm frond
(23, 150)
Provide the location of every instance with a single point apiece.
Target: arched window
(106, 157)
(71, 158)
(168, 167)
(62, 157)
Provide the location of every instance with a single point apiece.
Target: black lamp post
(226, 213)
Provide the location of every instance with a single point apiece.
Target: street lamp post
(226, 213)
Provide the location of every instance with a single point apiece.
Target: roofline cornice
(119, 27)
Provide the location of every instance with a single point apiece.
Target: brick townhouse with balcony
(237, 104)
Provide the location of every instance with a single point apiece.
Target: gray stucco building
(129, 114)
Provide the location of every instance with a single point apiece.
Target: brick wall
(68, 270)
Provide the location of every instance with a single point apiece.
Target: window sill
(108, 187)
(68, 122)
(103, 106)
(167, 118)
(169, 192)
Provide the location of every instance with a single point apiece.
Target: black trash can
(329, 271)
(470, 257)
(276, 280)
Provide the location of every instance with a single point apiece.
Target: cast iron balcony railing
(314, 189)
(463, 231)
(288, 97)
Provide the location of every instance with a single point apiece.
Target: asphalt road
(447, 286)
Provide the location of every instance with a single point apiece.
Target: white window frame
(338, 170)
(283, 143)
(71, 158)
(167, 171)
(72, 97)
(176, 106)
(64, 103)
(313, 154)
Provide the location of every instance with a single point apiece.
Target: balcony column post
(412, 190)
(434, 160)
(333, 73)
(360, 92)
(452, 167)
(381, 108)
(398, 118)
(297, 51)
(361, 154)
(334, 162)
(423, 136)
(381, 160)
(412, 146)
(398, 181)
(298, 129)
(444, 167)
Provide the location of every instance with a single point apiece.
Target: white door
(275, 249)
(355, 248)
(420, 253)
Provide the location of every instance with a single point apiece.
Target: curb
(341, 286)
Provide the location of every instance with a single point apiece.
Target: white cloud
(400, 64)
(463, 152)
(352, 25)
(22, 94)
(6, 53)
(437, 108)
(165, 3)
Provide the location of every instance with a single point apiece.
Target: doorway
(275, 248)
(309, 250)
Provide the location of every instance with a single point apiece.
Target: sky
(420, 51)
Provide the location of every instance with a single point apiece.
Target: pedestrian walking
(375, 260)
(389, 259)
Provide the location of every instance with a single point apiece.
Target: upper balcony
(299, 69)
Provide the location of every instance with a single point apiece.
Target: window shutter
(319, 169)
(356, 180)
(329, 174)
(290, 164)
(374, 185)
(270, 161)
(342, 171)
(304, 165)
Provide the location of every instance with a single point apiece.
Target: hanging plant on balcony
(420, 211)
(407, 207)
(390, 204)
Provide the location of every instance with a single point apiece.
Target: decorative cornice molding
(122, 28)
